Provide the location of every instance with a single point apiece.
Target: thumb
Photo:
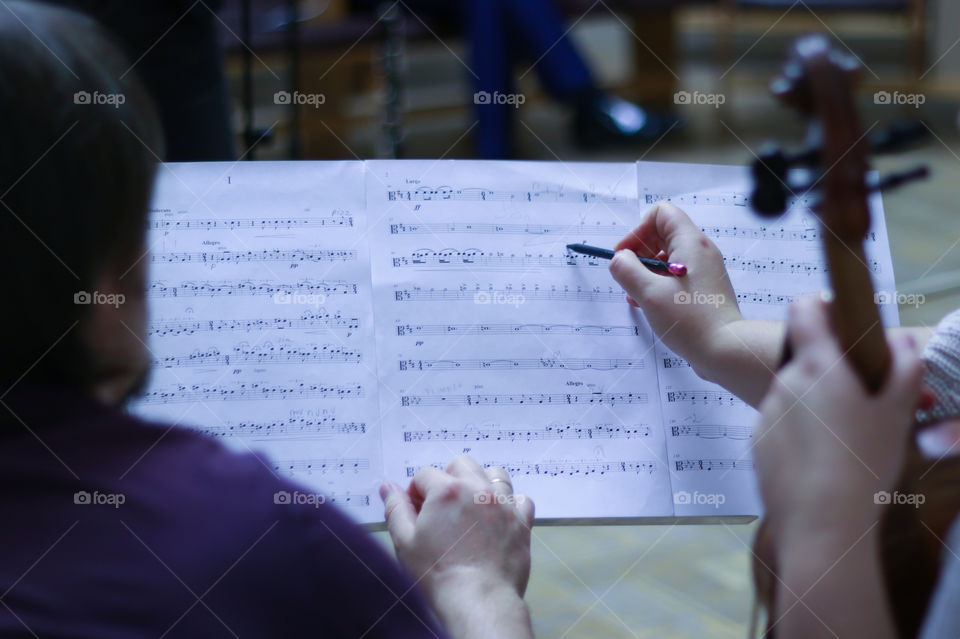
(808, 329)
(636, 279)
(400, 514)
(906, 373)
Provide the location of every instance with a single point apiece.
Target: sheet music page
(261, 321)
(490, 337)
(771, 262)
(493, 340)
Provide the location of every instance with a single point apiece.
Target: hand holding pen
(692, 314)
(657, 266)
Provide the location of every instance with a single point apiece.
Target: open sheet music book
(354, 321)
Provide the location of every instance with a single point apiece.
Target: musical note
(262, 331)
(577, 230)
(810, 234)
(731, 198)
(557, 432)
(228, 332)
(703, 397)
(265, 353)
(805, 234)
(235, 257)
(510, 296)
(286, 429)
(285, 293)
(427, 193)
(520, 364)
(293, 467)
(703, 199)
(475, 259)
(517, 329)
(705, 431)
(776, 265)
(713, 464)
(764, 297)
(237, 224)
(307, 320)
(533, 399)
(348, 499)
(579, 468)
(345, 499)
(249, 392)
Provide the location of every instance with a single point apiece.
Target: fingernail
(927, 400)
(385, 489)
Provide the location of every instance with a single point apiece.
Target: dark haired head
(78, 154)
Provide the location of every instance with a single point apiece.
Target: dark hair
(78, 156)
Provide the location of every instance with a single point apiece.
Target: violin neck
(854, 314)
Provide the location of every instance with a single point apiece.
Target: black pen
(659, 266)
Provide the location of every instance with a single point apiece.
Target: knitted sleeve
(941, 361)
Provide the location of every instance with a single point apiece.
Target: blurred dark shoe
(604, 120)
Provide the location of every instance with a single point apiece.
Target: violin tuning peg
(769, 197)
(771, 163)
(768, 201)
(897, 136)
(846, 61)
(781, 87)
(895, 180)
(787, 89)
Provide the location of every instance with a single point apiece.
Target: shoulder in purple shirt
(174, 536)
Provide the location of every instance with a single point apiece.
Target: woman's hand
(465, 537)
(824, 446)
(683, 311)
(696, 315)
(824, 450)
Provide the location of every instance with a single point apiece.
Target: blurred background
(566, 80)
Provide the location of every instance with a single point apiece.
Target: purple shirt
(114, 527)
